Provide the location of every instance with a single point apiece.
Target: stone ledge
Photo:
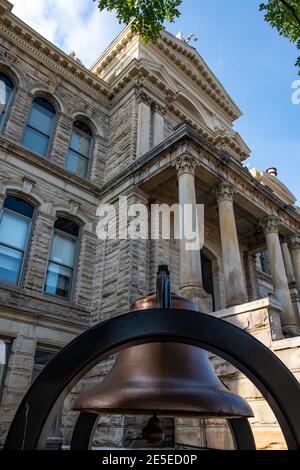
(286, 343)
(249, 307)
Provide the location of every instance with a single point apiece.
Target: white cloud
(73, 25)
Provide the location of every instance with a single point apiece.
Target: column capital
(224, 192)
(294, 241)
(185, 164)
(270, 224)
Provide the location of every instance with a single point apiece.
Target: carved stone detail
(294, 241)
(270, 224)
(224, 192)
(185, 164)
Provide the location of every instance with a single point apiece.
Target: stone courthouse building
(153, 123)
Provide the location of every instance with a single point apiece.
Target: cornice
(40, 48)
(236, 174)
(204, 78)
(174, 50)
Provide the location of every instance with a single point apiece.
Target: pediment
(161, 72)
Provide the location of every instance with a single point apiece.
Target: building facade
(152, 123)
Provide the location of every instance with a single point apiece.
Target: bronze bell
(166, 379)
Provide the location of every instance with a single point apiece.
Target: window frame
(91, 150)
(53, 130)
(27, 242)
(39, 368)
(9, 104)
(76, 258)
(8, 343)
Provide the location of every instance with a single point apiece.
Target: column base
(201, 299)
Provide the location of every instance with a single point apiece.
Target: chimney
(272, 171)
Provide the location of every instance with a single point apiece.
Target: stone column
(291, 278)
(279, 277)
(294, 244)
(143, 129)
(190, 260)
(236, 292)
(288, 263)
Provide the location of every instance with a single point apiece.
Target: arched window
(6, 93)
(80, 149)
(61, 264)
(15, 224)
(39, 126)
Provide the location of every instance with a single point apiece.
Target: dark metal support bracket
(279, 387)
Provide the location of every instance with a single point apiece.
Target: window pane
(67, 226)
(58, 280)
(10, 264)
(41, 359)
(80, 142)
(36, 141)
(43, 103)
(3, 362)
(77, 164)
(19, 205)
(63, 250)
(13, 230)
(5, 94)
(41, 120)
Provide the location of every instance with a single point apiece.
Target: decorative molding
(270, 224)
(52, 85)
(74, 207)
(28, 185)
(185, 164)
(224, 192)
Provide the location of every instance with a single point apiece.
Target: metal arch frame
(86, 423)
(276, 383)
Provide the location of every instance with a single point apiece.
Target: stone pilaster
(288, 263)
(190, 260)
(85, 269)
(39, 249)
(61, 140)
(143, 127)
(14, 127)
(233, 271)
(280, 282)
(251, 276)
(18, 377)
(294, 245)
(158, 126)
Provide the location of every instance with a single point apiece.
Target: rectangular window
(14, 233)
(36, 141)
(62, 257)
(10, 264)
(77, 164)
(41, 120)
(4, 353)
(80, 142)
(58, 280)
(41, 359)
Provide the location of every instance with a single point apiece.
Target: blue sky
(255, 64)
